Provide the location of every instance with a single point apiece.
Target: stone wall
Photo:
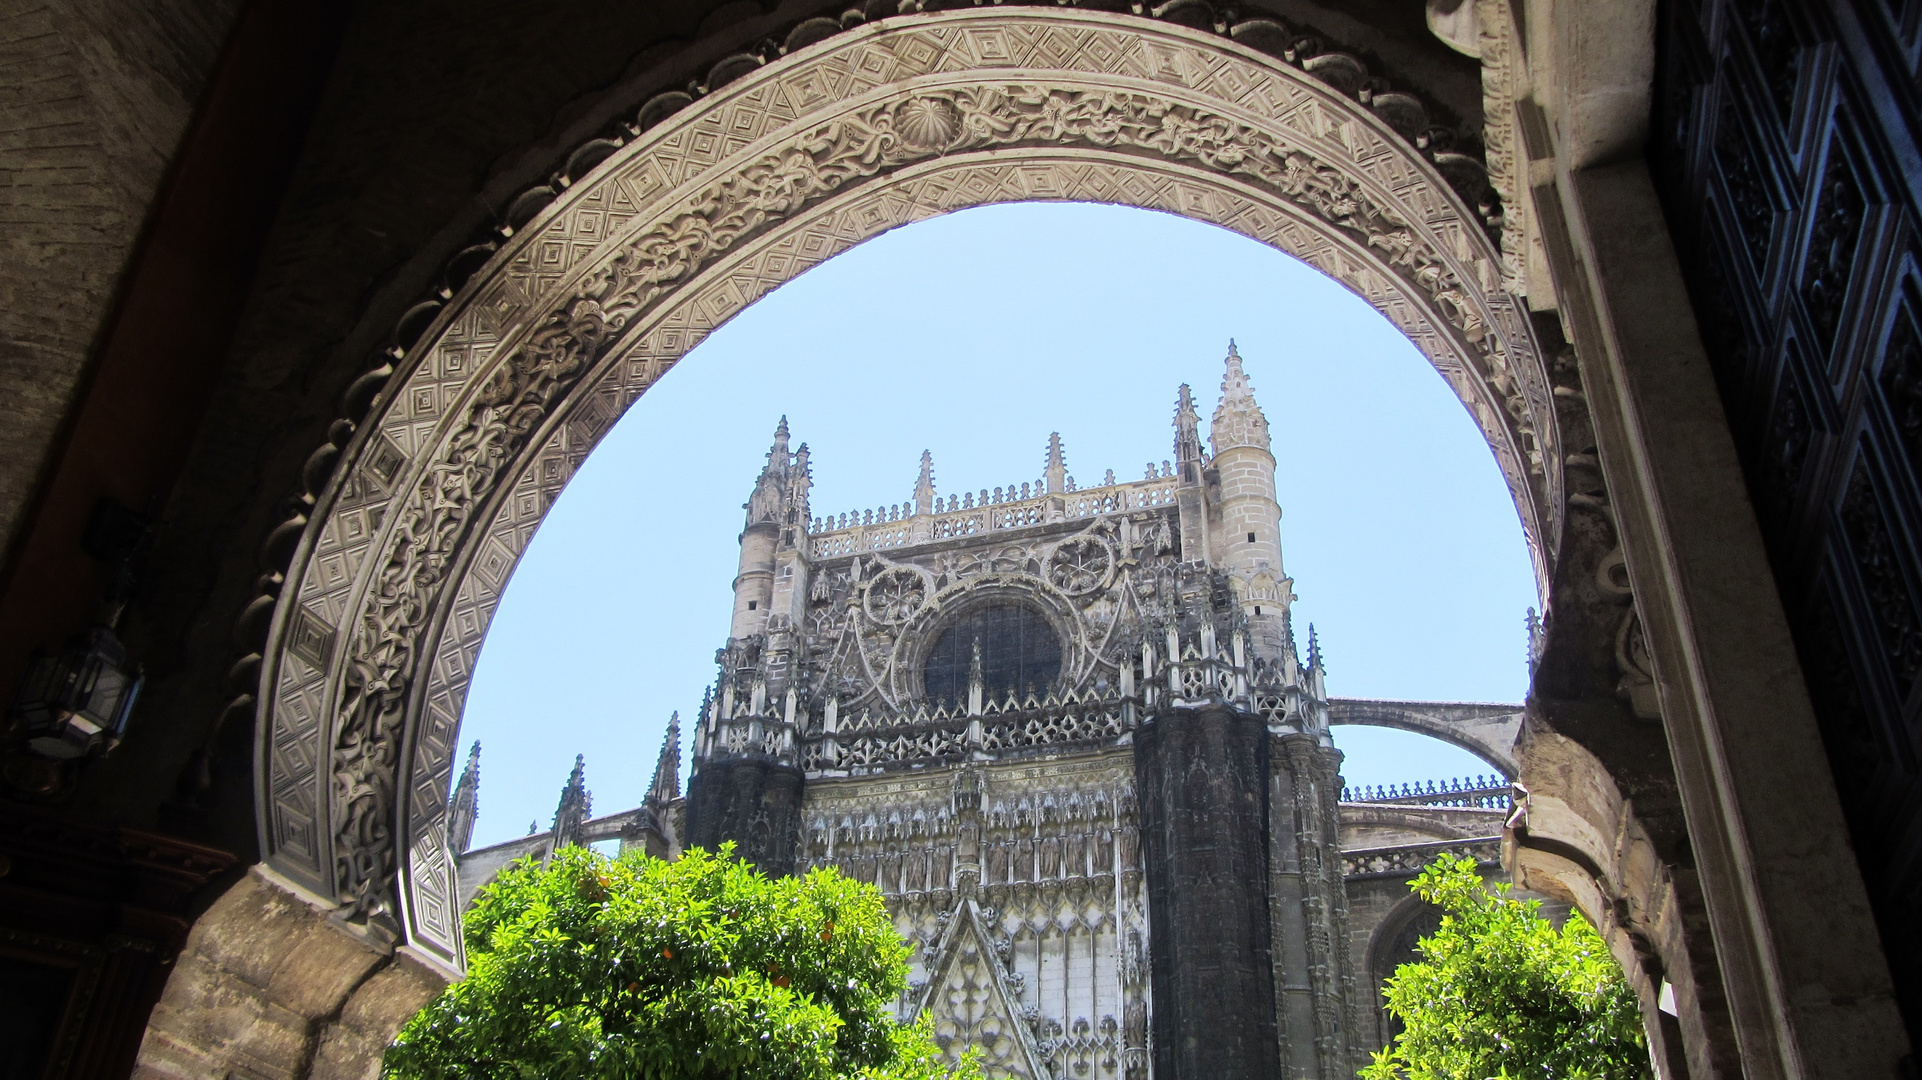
(269, 988)
(95, 97)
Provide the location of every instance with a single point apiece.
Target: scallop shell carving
(927, 123)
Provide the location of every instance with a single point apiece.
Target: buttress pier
(1069, 734)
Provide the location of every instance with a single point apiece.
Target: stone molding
(403, 558)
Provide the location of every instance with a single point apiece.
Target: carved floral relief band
(408, 549)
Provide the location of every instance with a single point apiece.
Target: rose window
(1019, 651)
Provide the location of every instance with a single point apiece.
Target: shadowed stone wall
(756, 804)
(1200, 776)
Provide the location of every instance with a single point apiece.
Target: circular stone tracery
(410, 545)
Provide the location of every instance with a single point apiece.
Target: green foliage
(701, 968)
(1499, 992)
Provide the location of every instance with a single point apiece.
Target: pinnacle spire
(1314, 649)
(575, 807)
(1238, 420)
(463, 808)
(924, 485)
(1234, 381)
(1057, 466)
(1187, 436)
(771, 489)
(667, 768)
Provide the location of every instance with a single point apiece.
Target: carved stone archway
(525, 368)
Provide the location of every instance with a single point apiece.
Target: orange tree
(703, 968)
(1501, 994)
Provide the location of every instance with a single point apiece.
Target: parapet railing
(995, 509)
(1410, 858)
(1476, 792)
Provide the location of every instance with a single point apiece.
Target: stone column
(270, 988)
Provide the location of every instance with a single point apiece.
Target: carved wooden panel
(1784, 147)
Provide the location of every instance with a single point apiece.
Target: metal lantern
(75, 702)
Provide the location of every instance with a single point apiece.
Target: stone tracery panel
(411, 545)
(1048, 852)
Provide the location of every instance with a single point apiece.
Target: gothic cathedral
(1070, 734)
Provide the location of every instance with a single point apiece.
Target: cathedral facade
(1070, 735)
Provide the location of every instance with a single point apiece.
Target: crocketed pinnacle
(576, 806)
(1056, 469)
(924, 485)
(772, 488)
(1187, 435)
(469, 784)
(463, 808)
(1238, 420)
(667, 768)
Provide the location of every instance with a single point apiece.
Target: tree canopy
(701, 968)
(1500, 992)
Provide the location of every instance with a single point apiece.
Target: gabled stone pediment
(968, 996)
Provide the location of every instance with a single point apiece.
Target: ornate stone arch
(408, 547)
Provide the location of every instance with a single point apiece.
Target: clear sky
(974, 336)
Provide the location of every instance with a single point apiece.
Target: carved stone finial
(1057, 467)
(1238, 421)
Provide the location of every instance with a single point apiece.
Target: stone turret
(773, 539)
(463, 808)
(1245, 530)
(745, 786)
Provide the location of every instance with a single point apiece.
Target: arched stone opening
(497, 394)
(1392, 944)
(601, 292)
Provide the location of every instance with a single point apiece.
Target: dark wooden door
(1784, 142)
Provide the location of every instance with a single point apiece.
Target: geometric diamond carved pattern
(684, 227)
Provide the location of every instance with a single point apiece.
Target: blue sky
(974, 336)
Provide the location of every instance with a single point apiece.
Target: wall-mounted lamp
(73, 704)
